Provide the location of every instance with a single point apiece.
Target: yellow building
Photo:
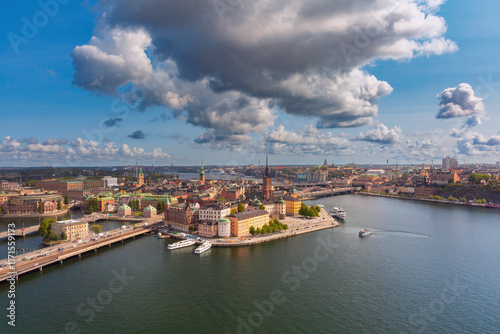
(73, 228)
(242, 221)
(292, 205)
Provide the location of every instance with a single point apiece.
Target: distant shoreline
(476, 205)
(35, 215)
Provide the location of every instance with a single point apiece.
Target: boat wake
(415, 234)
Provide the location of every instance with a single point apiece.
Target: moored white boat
(204, 247)
(338, 213)
(180, 244)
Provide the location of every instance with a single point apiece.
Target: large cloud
(473, 143)
(75, 152)
(219, 65)
(304, 142)
(461, 101)
(382, 135)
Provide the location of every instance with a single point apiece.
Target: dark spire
(266, 172)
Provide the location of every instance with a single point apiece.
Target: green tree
(258, 230)
(40, 207)
(0, 210)
(44, 228)
(262, 207)
(52, 236)
(307, 211)
(477, 177)
(64, 236)
(96, 228)
(252, 230)
(233, 211)
(192, 228)
(160, 206)
(93, 205)
(241, 207)
(66, 199)
(180, 200)
(59, 205)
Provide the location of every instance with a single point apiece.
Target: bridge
(20, 232)
(38, 259)
(328, 192)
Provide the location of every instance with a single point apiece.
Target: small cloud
(30, 140)
(137, 135)
(51, 73)
(461, 101)
(162, 118)
(53, 141)
(382, 135)
(112, 122)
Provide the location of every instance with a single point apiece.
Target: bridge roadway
(32, 229)
(328, 192)
(44, 257)
(20, 232)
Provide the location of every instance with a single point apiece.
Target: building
(292, 204)
(233, 193)
(179, 216)
(140, 178)
(224, 228)
(124, 210)
(441, 178)
(213, 212)
(208, 229)
(72, 228)
(267, 188)
(449, 163)
(30, 203)
(149, 212)
(110, 182)
(242, 221)
(202, 174)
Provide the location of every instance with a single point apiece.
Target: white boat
(365, 232)
(338, 213)
(217, 171)
(204, 247)
(180, 244)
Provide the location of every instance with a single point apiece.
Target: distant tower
(266, 183)
(202, 173)
(325, 164)
(140, 178)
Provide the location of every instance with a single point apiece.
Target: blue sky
(56, 98)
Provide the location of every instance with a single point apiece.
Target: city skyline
(89, 84)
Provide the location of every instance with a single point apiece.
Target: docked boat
(338, 213)
(180, 244)
(365, 232)
(204, 247)
(217, 171)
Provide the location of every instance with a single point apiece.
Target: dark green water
(428, 268)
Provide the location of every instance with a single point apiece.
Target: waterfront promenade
(296, 226)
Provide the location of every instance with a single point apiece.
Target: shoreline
(296, 226)
(35, 215)
(475, 205)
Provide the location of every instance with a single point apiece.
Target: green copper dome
(224, 220)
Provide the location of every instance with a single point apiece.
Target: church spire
(266, 172)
